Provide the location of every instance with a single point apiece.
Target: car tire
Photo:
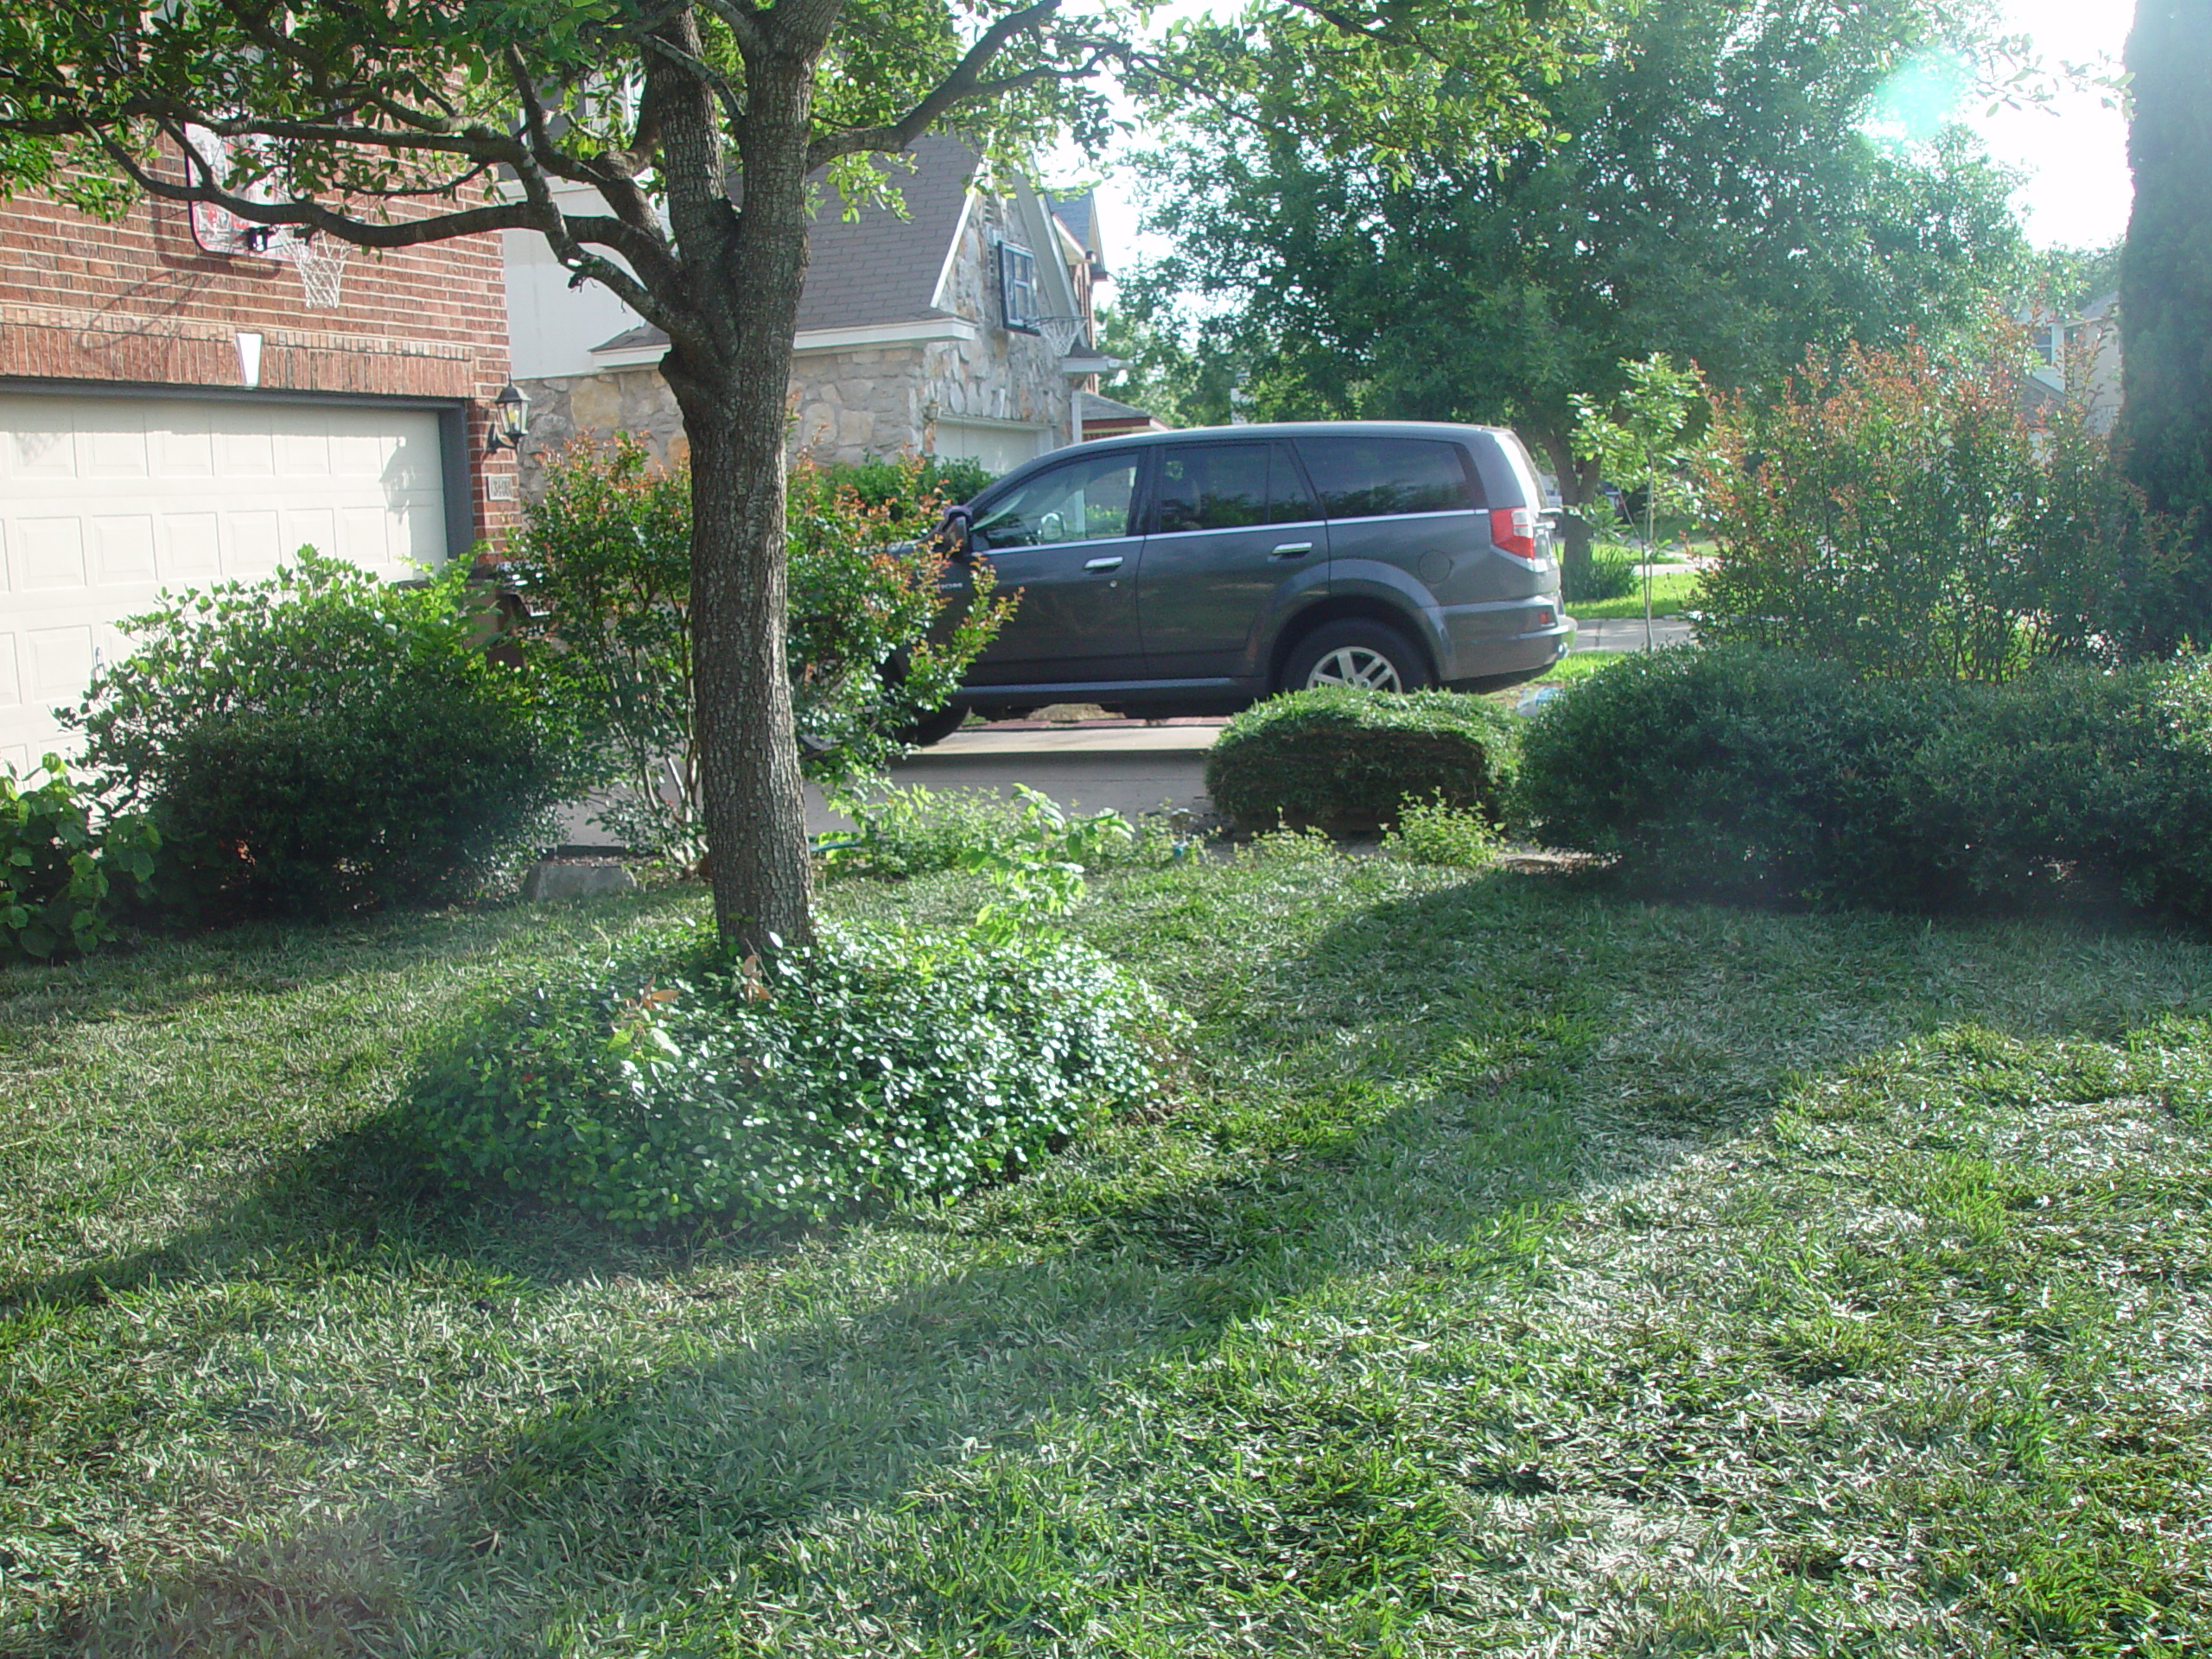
(936, 728)
(1356, 652)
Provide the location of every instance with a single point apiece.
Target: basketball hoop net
(1060, 333)
(320, 261)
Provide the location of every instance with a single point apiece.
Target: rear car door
(1233, 525)
(1065, 539)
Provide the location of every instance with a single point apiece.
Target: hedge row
(1746, 775)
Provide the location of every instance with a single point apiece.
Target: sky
(2073, 153)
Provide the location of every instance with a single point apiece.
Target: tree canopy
(671, 151)
(1705, 185)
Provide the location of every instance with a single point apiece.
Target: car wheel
(935, 729)
(1366, 654)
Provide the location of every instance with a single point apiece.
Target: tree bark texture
(748, 264)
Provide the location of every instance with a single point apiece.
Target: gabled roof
(877, 268)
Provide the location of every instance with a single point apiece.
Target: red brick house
(184, 401)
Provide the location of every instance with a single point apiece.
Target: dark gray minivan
(1196, 572)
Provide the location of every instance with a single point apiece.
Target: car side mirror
(956, 534)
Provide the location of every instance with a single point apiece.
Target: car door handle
(1113, 564)
(1290, 550)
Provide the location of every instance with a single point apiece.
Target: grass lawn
(1671, 592)
(1525, 1270)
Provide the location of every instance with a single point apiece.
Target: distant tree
(1708, 189)
(2061, 281)
(2165, 283)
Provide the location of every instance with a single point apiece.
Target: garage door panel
(43, 444)
(116, 449)
(250, 544)
(303, 454)
(106, 500)
(316, 529)
(195, 548)
(61, 663)
(183, 451)
(51, 552)
(124, 550)
(245, 455)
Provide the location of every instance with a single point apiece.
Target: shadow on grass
(1434, 1065)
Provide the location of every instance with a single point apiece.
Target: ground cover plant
(661, 1085)
(1770, 777)
(1341, 758)
(1518, 1270)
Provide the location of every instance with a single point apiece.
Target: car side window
(1213, 486)
(1085, 500)
(1366, 477)
(1290, 498)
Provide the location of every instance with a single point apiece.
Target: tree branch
(964, 85)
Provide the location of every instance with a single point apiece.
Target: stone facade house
(961, 327)
(184, 399)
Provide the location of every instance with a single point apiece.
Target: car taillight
(1513, 530)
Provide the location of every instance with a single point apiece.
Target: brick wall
(139, 301)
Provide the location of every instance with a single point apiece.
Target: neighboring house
(176, 410)
(2087, 345)
(961, 328)
(1102, 416)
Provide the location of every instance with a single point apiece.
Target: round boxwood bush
(1344, 758)
(664, 1085)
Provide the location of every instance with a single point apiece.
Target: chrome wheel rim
(1359, 666)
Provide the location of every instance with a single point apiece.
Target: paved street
(1618, 635)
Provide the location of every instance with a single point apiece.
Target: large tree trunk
(754, 811)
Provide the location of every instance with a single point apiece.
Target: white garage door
(105, 501)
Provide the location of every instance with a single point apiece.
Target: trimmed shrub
(1750, 776)
(667, 1085)
(57, 871)
(1344, 758)
(323, 742)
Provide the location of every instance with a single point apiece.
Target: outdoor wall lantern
(509, 420)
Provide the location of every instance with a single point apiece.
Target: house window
(1018, 287)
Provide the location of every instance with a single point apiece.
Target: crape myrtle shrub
(1744, 775)
(323, 742)
(664, 1084)
(1339, 757)
(62, 873)
(1906, 514)
(603, 566)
